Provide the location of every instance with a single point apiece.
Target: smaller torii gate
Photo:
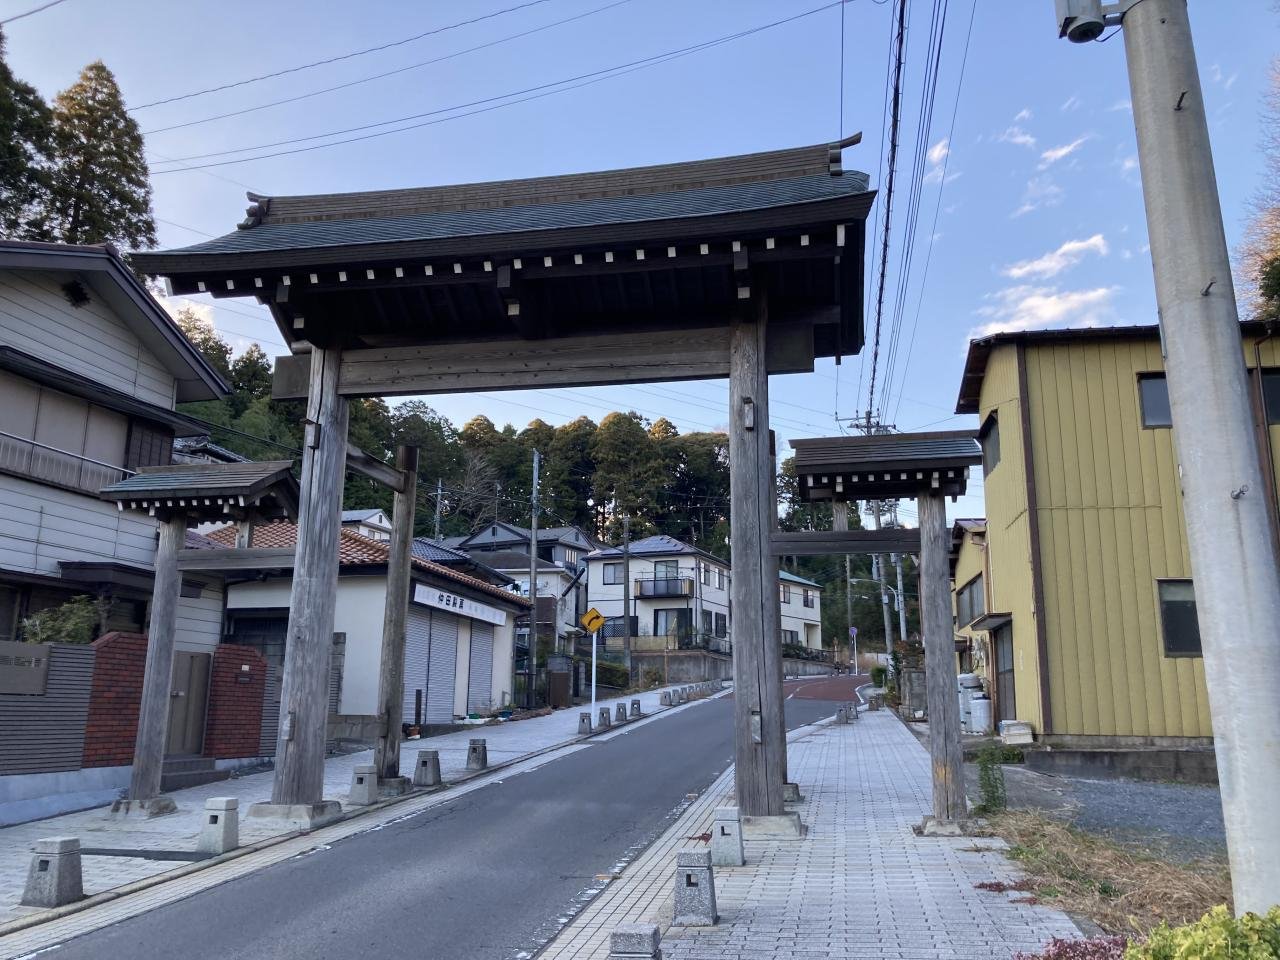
(926, 467)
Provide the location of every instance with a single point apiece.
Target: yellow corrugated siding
(1008, 529)
(970, 562)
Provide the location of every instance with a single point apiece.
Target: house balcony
(46, 464)
(665, 587)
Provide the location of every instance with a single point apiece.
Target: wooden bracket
(362, 463)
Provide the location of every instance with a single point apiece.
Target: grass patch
(1122, 890)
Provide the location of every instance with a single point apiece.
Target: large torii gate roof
(438, 289)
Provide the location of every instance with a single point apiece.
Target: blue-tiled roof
(436, 552)
(706, 201)
(792, 578)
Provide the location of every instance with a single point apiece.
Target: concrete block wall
(115, 695)
(233, 724)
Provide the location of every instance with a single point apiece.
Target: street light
(897, 600)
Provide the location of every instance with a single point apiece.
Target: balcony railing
(665, 587)
(39, 461)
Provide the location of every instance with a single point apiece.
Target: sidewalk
(859, 885)
(178, 831)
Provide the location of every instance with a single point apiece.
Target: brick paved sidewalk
(178, 831)
(859, 885)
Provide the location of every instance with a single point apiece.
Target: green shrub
(75, 621)
(991, 793)
(651, 678)
(878, 676)
(612, 675)
(1215, 936)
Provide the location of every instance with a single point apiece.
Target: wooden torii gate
(738, 267)
(926, 467)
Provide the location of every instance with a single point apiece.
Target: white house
(374, 524)
(561, 588)
(801, 603)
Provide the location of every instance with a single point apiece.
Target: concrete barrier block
(664, 698)
(478, 754)
(695, 896)
(426, 772)
(364, 785)
(220, 830)
(842, 715)
(726, 838)
(635, 709)
(791, 793)
(620, 715)
(584, 723)
(635, 941)
(606, 718)
(54, 878)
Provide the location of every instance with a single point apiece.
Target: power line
(387, 73)
(328, 60)
(31, 12)
(545, 90)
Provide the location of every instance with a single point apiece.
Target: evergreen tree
(568, 471)
(26, 143)
(100, 192)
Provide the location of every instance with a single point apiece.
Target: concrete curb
(115, 893)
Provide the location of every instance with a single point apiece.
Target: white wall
(503, 650)
(607, 597)
(805, 621)
(36, 318)
(462, 670)
(552, 585)
(200, 619)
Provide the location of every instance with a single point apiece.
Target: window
(970, 602)
(989, 437)
(571, 557)
(1271, 395)
(706, 574)
(1178, 618)
(706, 621)
(808, 598)
(785, 592)
(1153, 392)
(8, 613)
(612, 573)
(722, 625)
(791, 638)
(719, 579)
(672, 622)
(666, 569)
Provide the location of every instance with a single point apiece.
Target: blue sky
(1039, 210)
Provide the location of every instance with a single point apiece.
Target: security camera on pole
(1233, 561)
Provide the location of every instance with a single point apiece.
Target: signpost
(591, 622)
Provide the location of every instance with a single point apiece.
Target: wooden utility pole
(626, 593)
(304, 698)
(940, 660)
(157, 677)
(757, 655)
(533, 584)
(840, 524)
(386, 753)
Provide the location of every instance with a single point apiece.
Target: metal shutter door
(443, 657)
(480, 677)
(417, 630)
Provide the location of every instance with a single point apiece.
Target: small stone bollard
(220, 831)
(54, 878)
(664, 698)
(605, 722)
(695, 901)
(584, 723)
(477, 755)
(635, 941)
(726, 838)
(791, 793)
(842, 715)
(635, 709)
(426, 772)
(620, 715)
(364, 785)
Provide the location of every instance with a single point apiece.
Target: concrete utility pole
(1233, 559)
(626, 591)
(533, 583)
(439, 500)
(840, 523)
(901, 600)
(884, 594)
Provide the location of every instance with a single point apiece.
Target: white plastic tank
(969, 684)
(980, 714)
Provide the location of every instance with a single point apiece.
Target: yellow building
(1076, 596)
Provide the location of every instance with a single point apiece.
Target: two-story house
(1077, 591)
(801, 604)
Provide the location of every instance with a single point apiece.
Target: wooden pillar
(757, 656)
(304, 698)
(157, 678)
(386, 754)
(773, 601)
(940, 660)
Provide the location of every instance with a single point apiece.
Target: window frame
(1164, 635)
(962, 593)
(607, 568)
(990, 428)
(1153, 376)
(721, 625)
(1263, 374)
(784, 594)
(719, 578)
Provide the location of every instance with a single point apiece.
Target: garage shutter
(440, 675)
(416, 642)
(480, 679)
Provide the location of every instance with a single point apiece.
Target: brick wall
(115, 696)
(234, 721)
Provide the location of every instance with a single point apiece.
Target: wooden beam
(304, 696)
(581, 361)
(255, 558)
(386, 754)
(369, 466)
(815, 543)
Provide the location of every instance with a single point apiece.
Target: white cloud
(937, 157)
(1017, 136)
(1129, 164)
(1126, 105)
(1040, 192)
(175, 305)
(1055, 261)
(1023, 115)
(1054, 154)
(1071, 103)
(1034, 308)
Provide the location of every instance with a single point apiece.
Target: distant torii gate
(926, 467)
(737, 267)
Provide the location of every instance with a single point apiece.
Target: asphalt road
(485, 876)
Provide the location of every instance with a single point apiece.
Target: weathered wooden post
(386, 754)
(940, 664)
(157, 678)
(759, 741)
(304, 700)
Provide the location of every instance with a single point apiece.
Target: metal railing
(665, 587)
(39, 461)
